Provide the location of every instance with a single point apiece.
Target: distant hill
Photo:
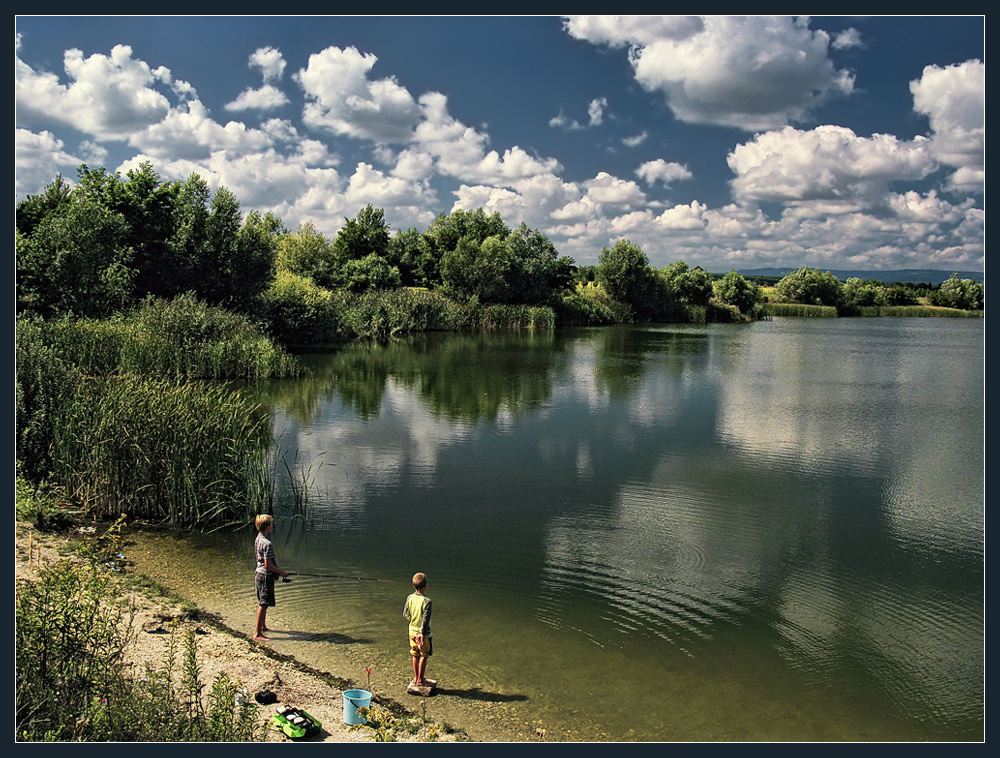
(928, 276)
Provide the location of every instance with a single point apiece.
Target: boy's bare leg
(261, 623)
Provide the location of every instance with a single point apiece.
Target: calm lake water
(719, 532)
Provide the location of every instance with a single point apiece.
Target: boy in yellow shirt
(417, 612)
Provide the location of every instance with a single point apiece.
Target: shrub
(734, 289)
(72, 629)
(70, 636)
(810, 287)
(299, 312)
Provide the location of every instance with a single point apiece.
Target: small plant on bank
(72, 628)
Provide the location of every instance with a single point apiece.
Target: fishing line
(340, 576)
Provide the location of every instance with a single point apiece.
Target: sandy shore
(222, 650)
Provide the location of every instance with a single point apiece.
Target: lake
(723, 532)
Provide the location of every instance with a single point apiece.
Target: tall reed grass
(513, 317)
(176, 338)
(916, 311)
(799, 309)
(375, 315)
(180, 452)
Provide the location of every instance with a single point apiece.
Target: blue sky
(725, 142)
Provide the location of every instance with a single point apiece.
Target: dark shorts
(265, 589)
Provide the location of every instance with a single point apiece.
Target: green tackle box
(295, 722)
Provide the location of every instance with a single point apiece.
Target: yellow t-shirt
(417, 611)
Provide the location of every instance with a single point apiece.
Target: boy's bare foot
(260, 638)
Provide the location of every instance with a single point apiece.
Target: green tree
(31, 211)
(253, 266)
(147, 205)
(734, 289)
(405, 251)
(188, 241)
(307, 252)
(362, 236)
(900, 295)
(519, 268)
(623, 271)
(691, 286)
(445, 232)
(538, 270)
(965, 294)
(863, 293)
(76, 262)
(369, 273)
(810, 287)
(585, 275)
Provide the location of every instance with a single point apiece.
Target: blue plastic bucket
(354, 699)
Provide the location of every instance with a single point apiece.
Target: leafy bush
(964, 294)
(735, 289)
(578, 309)
(372, 272)
(810, 287)
(72, 629)
(70, 637)
(298, 311)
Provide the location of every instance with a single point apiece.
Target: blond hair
(263, 521)
(419, 581)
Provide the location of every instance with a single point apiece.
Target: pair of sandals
(149, 629)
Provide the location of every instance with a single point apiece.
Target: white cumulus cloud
(752, 73)
(342, 99)
(829, 166)
(108, 96)
(954, 100)
(662, 171)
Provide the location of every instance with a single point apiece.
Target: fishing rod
(340, 576)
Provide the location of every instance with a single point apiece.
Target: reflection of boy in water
(417, 611)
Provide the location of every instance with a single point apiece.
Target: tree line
(808, 286)
(105, 245)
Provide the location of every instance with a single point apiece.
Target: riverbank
(223, 650)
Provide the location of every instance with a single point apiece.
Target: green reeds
(177, 338)
(512, 317)
(799, 309)
(180, 452)
(916, 311)
(186, 338)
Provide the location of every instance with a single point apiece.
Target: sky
(730, 143)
